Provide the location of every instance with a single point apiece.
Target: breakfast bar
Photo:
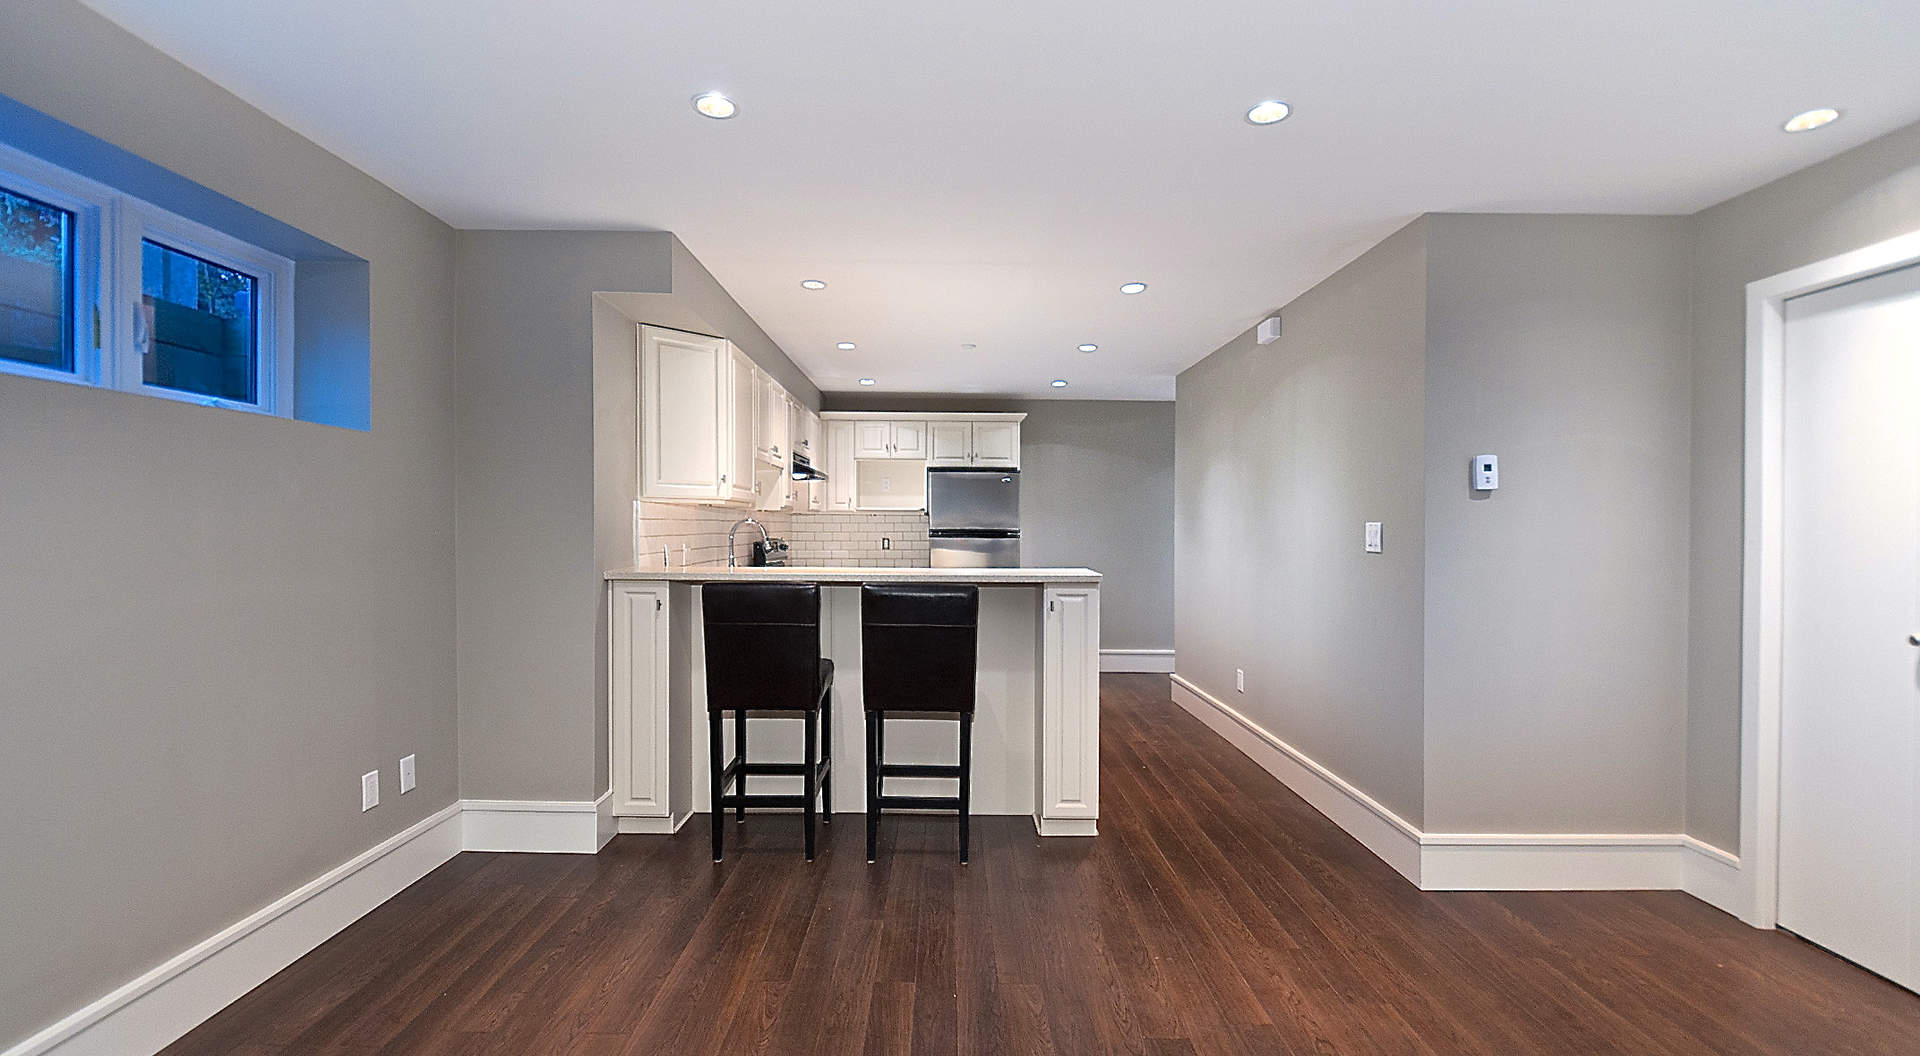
(1036, 735)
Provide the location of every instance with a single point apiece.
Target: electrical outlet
(407, 780)
(1373, 537)
(369, 790)
(1239, 680)
(886, 543)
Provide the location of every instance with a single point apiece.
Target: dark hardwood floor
(1215, 913)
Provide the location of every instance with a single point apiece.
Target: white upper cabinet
(949, 443)
(961, 443)
(996, 444)
(740, 388)
(770, 441)
(840, 468)
(909, 439)
(806, 434)
(873, 439)
(685, 407)
(889, 439)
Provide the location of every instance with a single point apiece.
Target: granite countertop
(801, 574)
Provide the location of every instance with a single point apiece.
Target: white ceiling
(990, 172)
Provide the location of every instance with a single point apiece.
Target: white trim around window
(108, 333)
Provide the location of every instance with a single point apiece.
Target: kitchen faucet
(765, 539)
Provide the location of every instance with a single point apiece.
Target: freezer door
(978, 499)
(976, 552)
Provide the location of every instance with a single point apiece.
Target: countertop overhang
(797, 574)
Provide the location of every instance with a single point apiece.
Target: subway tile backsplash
(694, 536)
(853, 539)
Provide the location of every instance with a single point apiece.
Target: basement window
(99, 287)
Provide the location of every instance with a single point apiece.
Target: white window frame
(91, 204)
(109, 229)
(137, 222)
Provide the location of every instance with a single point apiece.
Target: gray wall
(215, 621)
(1867, 195)
(1556, 607)
(546, 437)
(1096, 489)
(1283, 451)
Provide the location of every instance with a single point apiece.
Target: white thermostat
(1486, 472)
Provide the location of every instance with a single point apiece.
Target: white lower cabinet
(638, 694)
(1068, 755)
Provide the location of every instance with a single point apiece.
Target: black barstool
(918, 646)
(763, 654)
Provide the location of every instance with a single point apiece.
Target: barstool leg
(966, 781)
(873, 786)
(713, 756)
(740, 753)
(813, 729)
(826, 759)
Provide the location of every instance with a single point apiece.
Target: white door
(950, 443)
(1850, 673)
(873, 439)
(996, 444)
(909, 439)
(684, 404)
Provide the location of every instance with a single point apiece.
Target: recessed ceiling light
(1270, 112)
(866, 381)
(1089, 347)
(714, 105)
(1134, 287)
(845, 346)
(1811, 120)
(1059, 383)
(812, 284)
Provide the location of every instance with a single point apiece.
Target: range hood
(803, 469)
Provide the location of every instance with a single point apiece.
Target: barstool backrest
(919, 644)
(763, 646)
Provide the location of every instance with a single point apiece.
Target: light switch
(369, 790)
(1373, 537)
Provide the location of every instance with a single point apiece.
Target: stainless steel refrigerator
(973, 517)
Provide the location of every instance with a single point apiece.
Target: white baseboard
(1154, 661)
(1713, 876)
(537, 826)
(1389, 836)
(1549, 862)
(1479, 861)
(150, 1012)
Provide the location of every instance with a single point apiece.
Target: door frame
(1762, 596)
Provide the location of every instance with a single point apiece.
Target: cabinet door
(949, 443)
(996, 444)
(770, 441)
(840, 468)
(806, 433)
(909, 440)
(872, 439)
(684, 407)
(739, 475)
(638, 624)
